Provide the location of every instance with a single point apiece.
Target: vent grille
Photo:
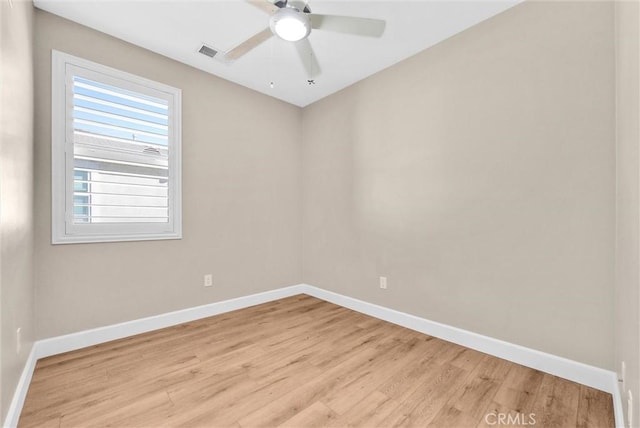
(206, 50)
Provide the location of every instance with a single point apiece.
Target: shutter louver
(121, 155)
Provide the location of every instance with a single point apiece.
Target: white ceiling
(178, 28)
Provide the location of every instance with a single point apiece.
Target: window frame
(63, 228)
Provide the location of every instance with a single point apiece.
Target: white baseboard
(558, 366)
(82, 339)
(594, 377)
(71, 342)
(20, 394)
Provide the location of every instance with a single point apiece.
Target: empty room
(322, 213)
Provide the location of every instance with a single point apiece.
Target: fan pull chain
(311, 81)
(271, 84)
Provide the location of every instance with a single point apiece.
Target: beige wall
(478, 176)
(241, 198)
(627, 289)
(16, 192)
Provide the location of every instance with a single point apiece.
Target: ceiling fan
(293, 21)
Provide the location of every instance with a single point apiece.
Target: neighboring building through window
(116, 155)
(81, 203)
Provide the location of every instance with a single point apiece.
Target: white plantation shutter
(121, 161)
(119, 143)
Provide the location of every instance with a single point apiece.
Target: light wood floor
(299, 362)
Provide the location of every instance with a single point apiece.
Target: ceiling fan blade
(348, 24)
(264, 5)
(308, 57)
(249, 44)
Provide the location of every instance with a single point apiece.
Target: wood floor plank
(125, 414)
(296, 362)
(468, 405)
(368, 378)
(411, 376)
(286, 406)
(468, 359)
(228, 408)
(514, 402)
(427, 400)
(557, 402)
(316, 415)
(371, 411)
(347, 343)
(519, 389)
(595, 409)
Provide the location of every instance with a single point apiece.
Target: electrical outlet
(18, 340)
(623, 375)
(208, 280)
(629, 409)
(383, 282)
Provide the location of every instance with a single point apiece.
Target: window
(115, 155)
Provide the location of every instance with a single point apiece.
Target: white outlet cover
(383, 282)
(208, 280)
(623, 375)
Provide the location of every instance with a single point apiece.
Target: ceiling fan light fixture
(290, 24)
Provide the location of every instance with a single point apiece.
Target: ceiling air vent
(206, 50)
